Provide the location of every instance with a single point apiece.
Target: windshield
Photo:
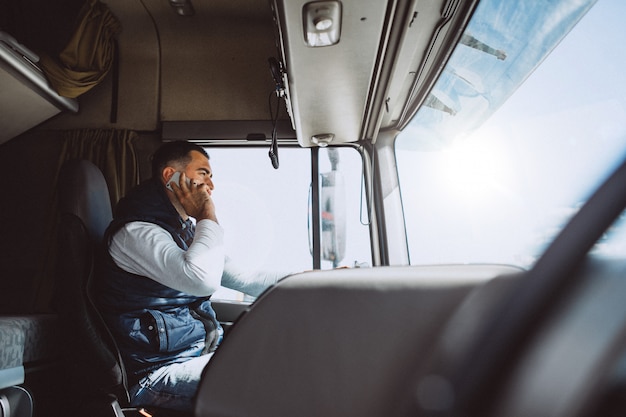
(267, 212)
(526, 120)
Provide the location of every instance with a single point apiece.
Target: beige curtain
(88, 56)
(114, 153)
(111, 150)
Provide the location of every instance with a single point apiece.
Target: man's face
(199, 170)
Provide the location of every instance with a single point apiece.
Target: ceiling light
(183, 7)
(321, 23)
(322, 140)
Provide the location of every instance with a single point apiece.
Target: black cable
(273, 152)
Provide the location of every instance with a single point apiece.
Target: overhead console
(328, 83)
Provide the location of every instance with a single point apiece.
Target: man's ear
(167, 173)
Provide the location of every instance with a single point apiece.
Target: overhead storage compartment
(26, 98)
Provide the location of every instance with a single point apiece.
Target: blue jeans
(173, 386)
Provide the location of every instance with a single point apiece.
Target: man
(157, 274)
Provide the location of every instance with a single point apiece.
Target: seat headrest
(83, 192)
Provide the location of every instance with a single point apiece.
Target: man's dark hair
(174, 153)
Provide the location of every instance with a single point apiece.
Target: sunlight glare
(475, 169)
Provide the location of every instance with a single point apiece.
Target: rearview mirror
(333, 208)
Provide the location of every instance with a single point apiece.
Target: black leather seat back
(93, 363)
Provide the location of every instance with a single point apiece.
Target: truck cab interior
(392, 309)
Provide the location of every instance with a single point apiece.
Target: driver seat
(94, 368)
(95, 371)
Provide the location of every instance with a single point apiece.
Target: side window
(265, 212)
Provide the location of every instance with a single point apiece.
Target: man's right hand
(195, 198)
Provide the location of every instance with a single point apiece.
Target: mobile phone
(175, 178)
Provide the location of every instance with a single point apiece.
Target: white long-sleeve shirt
(146, 249)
